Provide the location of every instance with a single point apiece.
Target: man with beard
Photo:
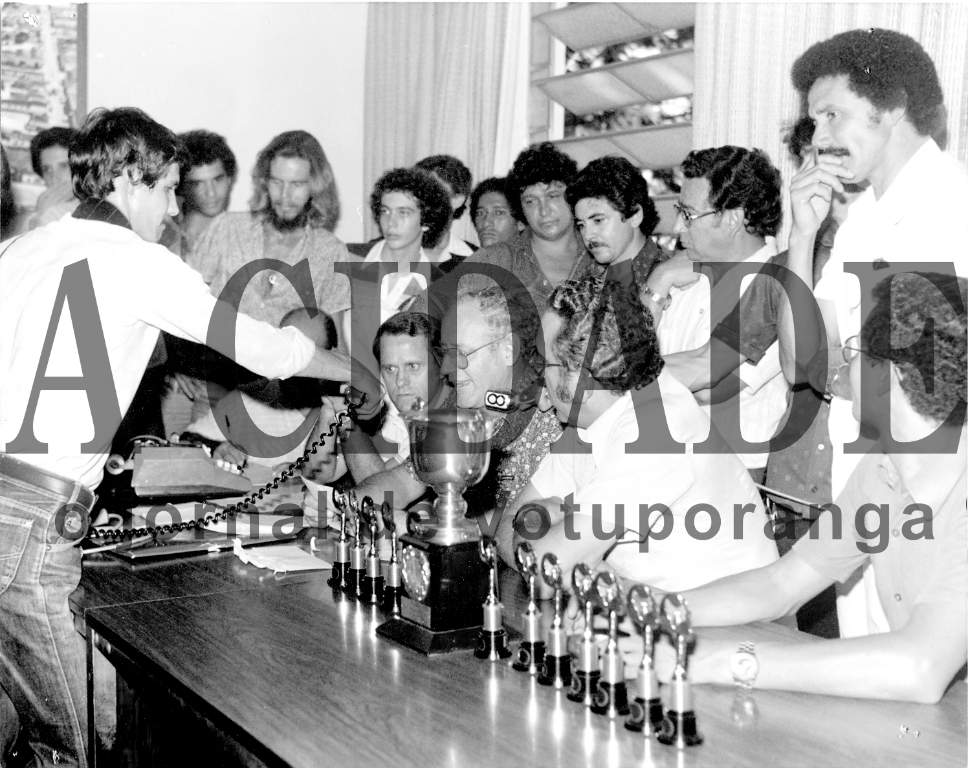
(294, 209)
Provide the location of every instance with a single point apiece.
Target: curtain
(444, 78)
(744, 52)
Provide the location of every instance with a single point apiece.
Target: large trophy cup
(445, 579)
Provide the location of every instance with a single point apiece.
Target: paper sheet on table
(323, 495)
(280, 558)
(259, 526)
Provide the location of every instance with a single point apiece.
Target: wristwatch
(744, 666)
(659, 299)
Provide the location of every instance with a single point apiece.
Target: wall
(245, 70)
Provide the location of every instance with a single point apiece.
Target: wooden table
(220, 663)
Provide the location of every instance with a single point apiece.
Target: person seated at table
(246, 426)
(488, 343)
(672, 516)
(907, 387)
(403, 348)
(492, 214)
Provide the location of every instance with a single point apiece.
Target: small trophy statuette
(532, 648)
(371, 588)
(341, 561)
(354, 578)
(646, 708)
(393, 588)
(584, 682)
(556, 668)
(492, 641)
(612, 699)
(679, 724)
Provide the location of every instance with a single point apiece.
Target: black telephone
(354, 401)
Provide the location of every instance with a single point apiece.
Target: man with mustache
(880, 117)
(729, 213)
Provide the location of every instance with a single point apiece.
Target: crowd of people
(723, 421)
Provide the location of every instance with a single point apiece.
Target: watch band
(747, 647)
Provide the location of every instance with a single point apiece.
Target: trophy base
(645, 716)
(371, 590)
(679, 729)
(611, 700)
(391, 601)
(427, 641)
(584, 686)
(556, 671)
(530, 657)
(338, 580)
(492, 646)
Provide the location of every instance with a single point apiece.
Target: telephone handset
(354, 401)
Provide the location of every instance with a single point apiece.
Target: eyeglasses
(689, 218)
(852, 348)
(459, 357)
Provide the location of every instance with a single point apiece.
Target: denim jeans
(42, 656)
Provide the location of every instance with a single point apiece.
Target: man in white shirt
(671, 517)
(729, 213)
(56, 427)
(917, 546)
(880, 117)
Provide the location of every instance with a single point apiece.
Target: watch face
(744, 667)
(416, 572)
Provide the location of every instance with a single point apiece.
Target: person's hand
(184, 383)
(677, 272)
(230, 458)
(813, 188)
(364, 381)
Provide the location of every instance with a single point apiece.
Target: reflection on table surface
(299, 675)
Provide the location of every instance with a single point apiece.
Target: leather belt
(48, 481)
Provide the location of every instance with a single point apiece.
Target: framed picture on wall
(42, 82)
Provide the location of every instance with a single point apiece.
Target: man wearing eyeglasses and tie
(728, 214)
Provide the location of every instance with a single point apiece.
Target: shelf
(587, 25)
(656, 146)
(653, 79)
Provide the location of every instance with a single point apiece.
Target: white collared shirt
(923, 216)
(398, 290)
(140, 288)
(608, 476)
(686, 325)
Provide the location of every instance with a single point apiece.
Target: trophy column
(646, 708)
(679, 725)
(492, 641)
(556, 668)
(584, 682)
(532, 648)
(341, 562)
(371, 588)
(612, 699)
(393, 588)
